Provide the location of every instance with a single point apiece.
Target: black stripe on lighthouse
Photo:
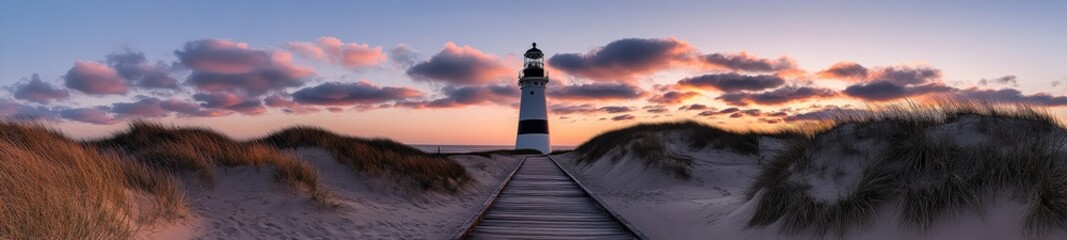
(533, 126)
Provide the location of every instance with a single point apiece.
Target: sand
(712, 205)
(248, 204)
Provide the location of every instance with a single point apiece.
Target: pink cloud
(362, 92)
(94, 78)
(226, 66)
(461, 66)
(188, 109)
(350, 55)
(39, 91)
(231, 101)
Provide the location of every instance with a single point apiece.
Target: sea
(472, 148)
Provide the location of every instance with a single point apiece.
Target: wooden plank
(467, 226)
(542, 201)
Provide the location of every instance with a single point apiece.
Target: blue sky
(966, 40)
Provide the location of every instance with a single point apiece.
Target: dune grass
(54, 188)
(926, 166)
(406, 165)
(648, 142)
(202, 150)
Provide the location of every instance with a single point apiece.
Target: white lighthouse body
(533, 116)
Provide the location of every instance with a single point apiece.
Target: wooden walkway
(541, 201)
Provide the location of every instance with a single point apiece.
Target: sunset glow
(448, 76)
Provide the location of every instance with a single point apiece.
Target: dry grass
(648, 142)
(408, 166)
(201, 151)
(54, 188)
(928, 170)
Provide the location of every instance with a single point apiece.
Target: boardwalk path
(543, 202)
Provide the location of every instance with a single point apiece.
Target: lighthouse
(533, 117)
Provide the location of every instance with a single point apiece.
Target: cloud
(226, 66)
(287, 105)
(673, 97)
(748, 63)
(625, 59)
(1005, 80)
(404, 56)
(1009, 95)
(752, 112)
(693, 107)
(777, 114)
(900, 75)
(307, 50)
(12, 110)
(564, 109)
(144, 108)
(616, 109)
(231, 101)
(188, 109)
(134, 67)
(572, 109)
(655, 109)
(362, 92)
(631, 58)
(906, 75)
(94, 78)
(89, 115)
(730, 82)
(844, 70)
(596, 91)
(720, 112)
(886, 90)
(455, 65)
(39, 91)
(778, 96)
(623, 117)
(461, 96)
(333, 50)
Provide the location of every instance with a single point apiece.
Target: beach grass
(406, 165)
(931, 170)
(55, 188)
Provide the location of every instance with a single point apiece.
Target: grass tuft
(911, 157)
(55, 188)
(200, 150)
(407, 165)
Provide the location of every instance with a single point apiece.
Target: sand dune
(957, 172)
(246, 204)
(956, 176)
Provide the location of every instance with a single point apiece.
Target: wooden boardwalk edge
(465, 230)
(599, 202)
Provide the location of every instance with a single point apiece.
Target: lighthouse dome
(534, 53)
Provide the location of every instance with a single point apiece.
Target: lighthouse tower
(533, 119)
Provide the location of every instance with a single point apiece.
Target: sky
(433, 72)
